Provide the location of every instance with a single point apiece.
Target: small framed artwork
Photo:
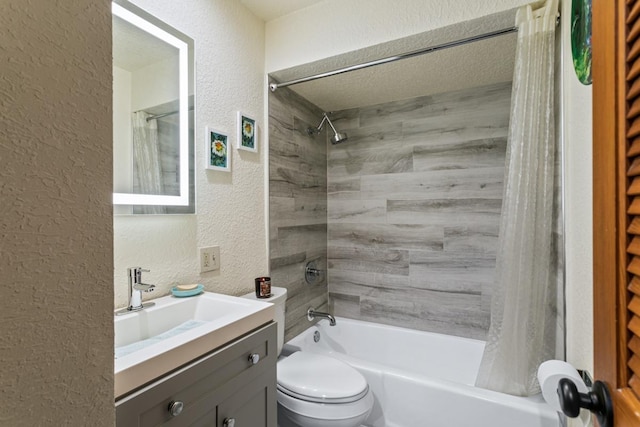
(218, 154)
(247, 133)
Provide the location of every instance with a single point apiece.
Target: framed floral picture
(217, 149)
(247, 133)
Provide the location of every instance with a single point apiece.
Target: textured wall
(229, 48)
(414, 208)
(56, 305)
(333, 27)
(297, 204)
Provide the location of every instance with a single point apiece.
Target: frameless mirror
(152, 114)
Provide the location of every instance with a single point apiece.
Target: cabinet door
(253, 406)
(199, 387)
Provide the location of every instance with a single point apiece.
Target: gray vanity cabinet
(234, 386)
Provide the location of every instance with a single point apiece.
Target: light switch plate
(209, 258)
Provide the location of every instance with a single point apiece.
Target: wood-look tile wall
(404, 215)
(297, 204)
(414, 200)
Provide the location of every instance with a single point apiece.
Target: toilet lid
(320, 378)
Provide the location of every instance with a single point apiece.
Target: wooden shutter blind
(616, 203)
(632, 297)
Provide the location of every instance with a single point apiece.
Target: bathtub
(422, 379)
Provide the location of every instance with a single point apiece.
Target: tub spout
(312, 314)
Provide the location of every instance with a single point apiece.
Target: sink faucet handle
(139, 274)
(135, 273)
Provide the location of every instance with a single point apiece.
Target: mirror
(152, 114)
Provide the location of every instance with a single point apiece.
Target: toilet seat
(322, 399)
(320, 379)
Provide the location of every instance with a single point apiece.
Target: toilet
(316, 390)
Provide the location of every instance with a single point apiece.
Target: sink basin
(175, 331)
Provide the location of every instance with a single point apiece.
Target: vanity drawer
(198, 388)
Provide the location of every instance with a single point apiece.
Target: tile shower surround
(297, 204)
(414, 199)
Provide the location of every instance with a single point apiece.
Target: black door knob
(598, 401)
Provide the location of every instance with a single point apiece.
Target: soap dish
(191, 292)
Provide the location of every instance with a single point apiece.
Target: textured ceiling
(462, 67)
(470, 65)
(271, 9)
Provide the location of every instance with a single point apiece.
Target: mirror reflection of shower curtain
(147, 158)
(522, 332)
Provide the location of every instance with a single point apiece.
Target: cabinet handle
(229, 422)
(254, 358)
(175, 408)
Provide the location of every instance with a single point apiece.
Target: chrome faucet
(312, 314)
(136, 288)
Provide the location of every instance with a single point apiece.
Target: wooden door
(616, 198)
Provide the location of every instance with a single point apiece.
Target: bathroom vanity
(233, 386)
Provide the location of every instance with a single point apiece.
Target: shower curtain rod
(485, 36)
(159, 116)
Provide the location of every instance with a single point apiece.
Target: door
(616, 198)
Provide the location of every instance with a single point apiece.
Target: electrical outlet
(209, 258)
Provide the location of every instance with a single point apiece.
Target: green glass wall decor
(581, 39)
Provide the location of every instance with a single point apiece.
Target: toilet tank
(278, 299)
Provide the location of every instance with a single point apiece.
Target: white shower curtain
(146, 154)
(523, 299)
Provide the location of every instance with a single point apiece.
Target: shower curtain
(522, 330)
(146, 154)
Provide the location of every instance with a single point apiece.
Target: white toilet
(316, 390)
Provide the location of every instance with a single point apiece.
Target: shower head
(337, 137)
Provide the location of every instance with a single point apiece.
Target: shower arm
(335, 132)
(325, 118)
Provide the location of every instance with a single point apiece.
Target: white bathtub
(421, 379)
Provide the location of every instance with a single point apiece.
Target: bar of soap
(186, 287)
